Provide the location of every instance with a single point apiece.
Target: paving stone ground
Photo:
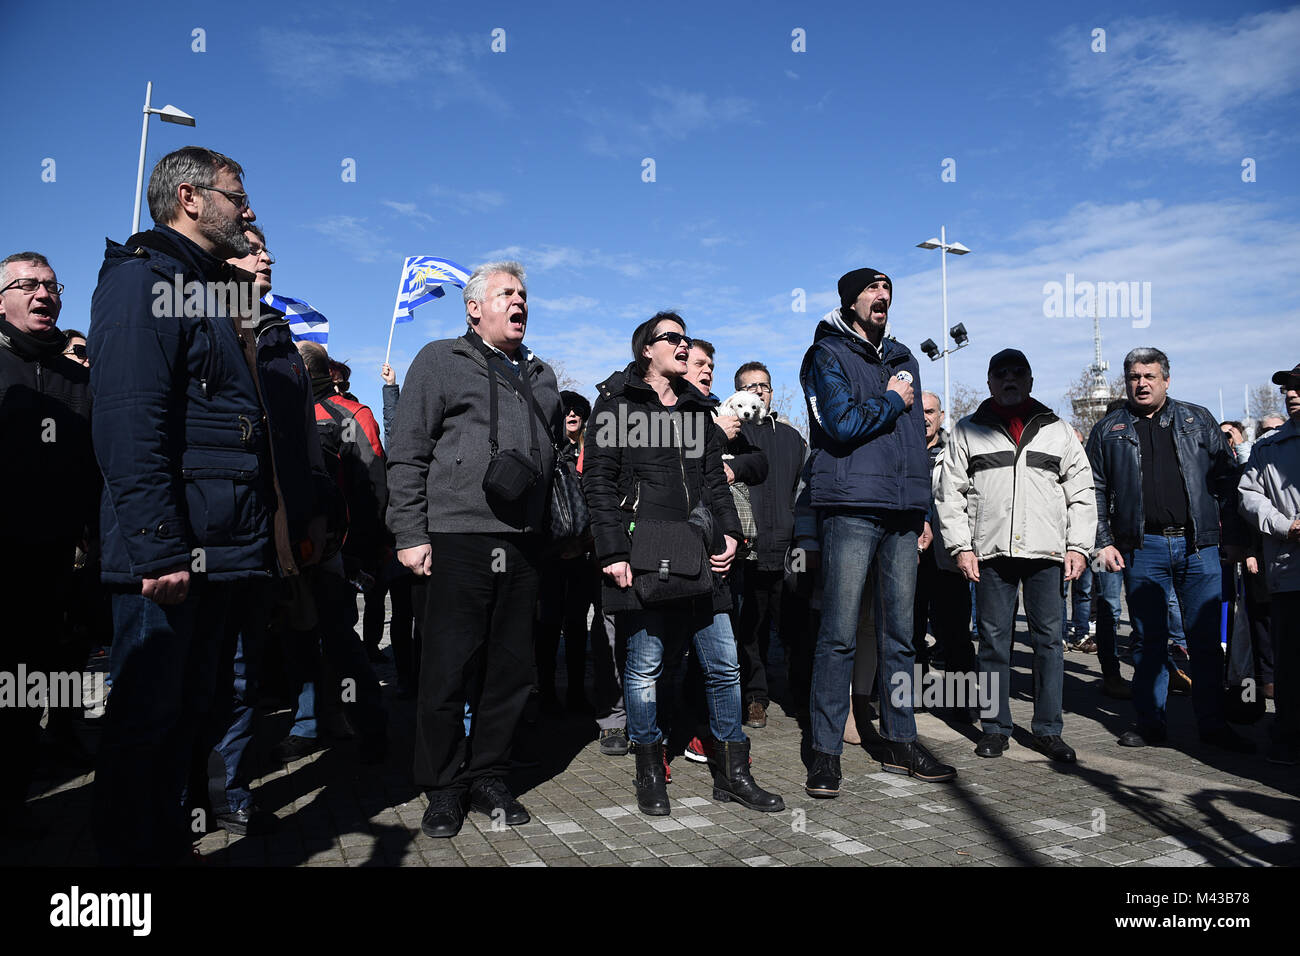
(1184, 805)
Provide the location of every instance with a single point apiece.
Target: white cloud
(1162, 83)
(468, 201)
(673, 114)
(410, 210)
(569, 303)
(319, 61)
(352, 234)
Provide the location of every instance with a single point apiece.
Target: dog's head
(746, 406)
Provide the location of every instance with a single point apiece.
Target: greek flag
(422, 279)
(305, 323)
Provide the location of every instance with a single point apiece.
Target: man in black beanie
(868, 478)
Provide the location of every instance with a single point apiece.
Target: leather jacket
(1204, 460)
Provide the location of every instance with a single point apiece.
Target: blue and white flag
(422, 280)
(305, 323)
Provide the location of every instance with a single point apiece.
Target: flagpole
(393, 325)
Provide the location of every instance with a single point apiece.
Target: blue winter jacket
(177, 425)
(868, 453)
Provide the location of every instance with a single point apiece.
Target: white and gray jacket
(1270, 500)
(1000, 500)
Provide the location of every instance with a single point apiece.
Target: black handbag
(570, 516)
(670, 561)
(510, 473)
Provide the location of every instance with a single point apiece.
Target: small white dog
(746, 406)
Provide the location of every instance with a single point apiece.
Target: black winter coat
(178, 425)
(625, 476)
(48, 477)
(773, 500)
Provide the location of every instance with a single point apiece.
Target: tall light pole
(169, 114)
(957, 249)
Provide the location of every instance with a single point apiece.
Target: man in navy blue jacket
(869, 479)
(186, 515)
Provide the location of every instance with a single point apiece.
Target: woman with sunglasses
(653, 455)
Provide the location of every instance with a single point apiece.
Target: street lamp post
(169, 114)
(957, 249)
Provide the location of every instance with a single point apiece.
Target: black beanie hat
(852, 284)
(572, 400)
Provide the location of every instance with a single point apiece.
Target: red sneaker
(695, 751)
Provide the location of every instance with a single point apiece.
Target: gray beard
(227, 238)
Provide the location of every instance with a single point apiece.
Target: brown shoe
(1180, 683)
(755, 715)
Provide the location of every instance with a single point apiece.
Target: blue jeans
(654, 636)
(850, 545)
(1042, 580)
(1074, 621)
(1149, 573)
(1107, 587)
(165, 666)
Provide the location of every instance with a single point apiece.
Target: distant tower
(1093, 405)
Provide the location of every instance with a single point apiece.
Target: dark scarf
(34, 346)
(322, 387)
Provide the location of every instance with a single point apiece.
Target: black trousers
(760, 606)
(35, 588)
(569, 588)
(943, 600)
(476, 634)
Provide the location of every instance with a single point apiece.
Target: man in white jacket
(1270, 500)
(1016, 508)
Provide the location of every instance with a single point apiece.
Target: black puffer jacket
(623, 467)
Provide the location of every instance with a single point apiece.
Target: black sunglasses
(676, 338)
(78, 350)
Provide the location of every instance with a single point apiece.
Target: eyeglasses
(758, 388)
(263, 254)
(78, 350)
(29, 285)
(676, 338)
(240, 200)
(1010, 371)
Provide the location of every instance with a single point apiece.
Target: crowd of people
(203, 491)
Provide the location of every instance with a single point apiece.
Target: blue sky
(775, 170)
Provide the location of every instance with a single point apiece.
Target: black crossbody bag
(670, 559)
(510, 473)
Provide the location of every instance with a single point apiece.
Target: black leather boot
(651, 787)
(732, 780)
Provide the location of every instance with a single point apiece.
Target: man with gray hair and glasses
(1165, 481)
(469, 466)
(185, 527)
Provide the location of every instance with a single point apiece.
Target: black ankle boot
(651, 787)
(732, 781)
